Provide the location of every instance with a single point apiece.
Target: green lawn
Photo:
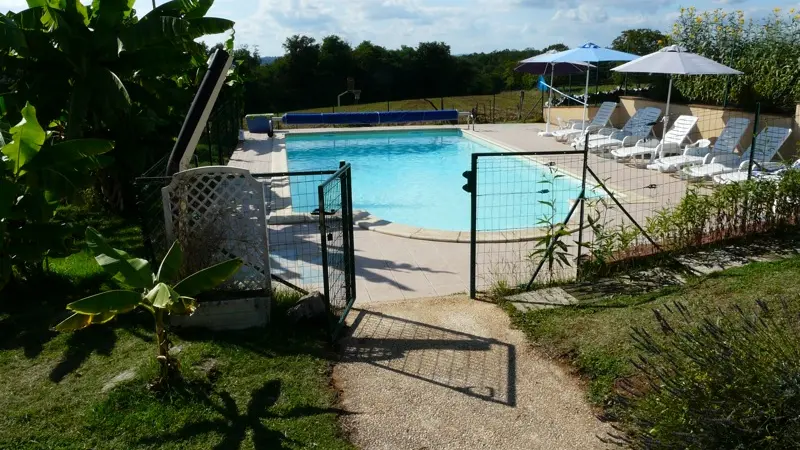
(596, 338)
(506, 105)
(270, 389)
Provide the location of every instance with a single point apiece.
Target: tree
(100, 71)
(38, 169)
(641, 41)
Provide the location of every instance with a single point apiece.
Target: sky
(466, 25)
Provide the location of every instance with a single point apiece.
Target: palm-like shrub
(158, 292)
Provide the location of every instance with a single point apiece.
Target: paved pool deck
(392, 265)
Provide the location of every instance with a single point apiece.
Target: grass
(596, 338)
(506, 105)
(268, 389)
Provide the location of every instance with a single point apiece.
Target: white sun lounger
(769, 170)
(766, 145)
(694, 154)
(575, 128)
(669, 145)
(638, 127)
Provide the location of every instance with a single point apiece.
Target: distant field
(502, 107)
(506, 106)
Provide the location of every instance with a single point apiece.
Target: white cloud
(584, 13)
(467, 25)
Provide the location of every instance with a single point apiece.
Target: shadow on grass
(29, 310)
(80, 345)
(233, 425)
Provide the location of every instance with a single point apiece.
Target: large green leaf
(27, 138)
(171, 264)
(11, 36)
(116, 302)
(133, 271)
(185, 306)
(155, 30)
(110, 87)
(196, 8)
(75, 322)
(161, 296)
(68, 152)
(108, 14)
(208, 25)
(208, 278)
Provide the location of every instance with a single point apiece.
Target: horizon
(462, 24)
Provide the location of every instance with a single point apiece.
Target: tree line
(312, 74)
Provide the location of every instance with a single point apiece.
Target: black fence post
(582, 199)
(324, 248)
(753, 146)
(473, 226)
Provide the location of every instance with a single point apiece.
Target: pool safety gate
(338, 251)
(555, 244)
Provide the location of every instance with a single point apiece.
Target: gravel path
(449, 373)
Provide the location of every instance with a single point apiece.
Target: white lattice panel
(223, 210)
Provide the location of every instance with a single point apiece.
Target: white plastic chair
(638, 127)
(694, 154)
(575, 128)
(669, 145)
(767, 144)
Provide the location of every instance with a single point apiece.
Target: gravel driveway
(449, 373)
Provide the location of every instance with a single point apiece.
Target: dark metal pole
(582, 199)
(597, 80)
(473, 226)
(753, 146)
(324, 247)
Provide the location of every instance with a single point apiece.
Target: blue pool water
(415, 177)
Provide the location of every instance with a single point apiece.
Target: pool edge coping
(369, 222)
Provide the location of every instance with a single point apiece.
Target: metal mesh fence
(666, 186)
(294, 235)
(336, 222)
(150, 209)
(521, 204)
(503, 107)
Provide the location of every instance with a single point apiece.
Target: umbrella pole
(550, 99)
(666, 114)
(586, 100)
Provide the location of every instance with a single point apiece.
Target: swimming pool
(414, 178)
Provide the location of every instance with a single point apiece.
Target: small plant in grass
(731, 381)
(158, 292)
(551, 246)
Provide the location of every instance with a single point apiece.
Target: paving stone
(542, 299)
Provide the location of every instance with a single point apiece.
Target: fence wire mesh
(664, 186)
(522, 201)
(293, 226)
(336, 223)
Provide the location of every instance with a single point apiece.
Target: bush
(731, 381)
(765, 50)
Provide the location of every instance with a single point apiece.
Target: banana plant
(38, 170)
(158, 292)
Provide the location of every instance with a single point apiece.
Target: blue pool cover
(368, 117)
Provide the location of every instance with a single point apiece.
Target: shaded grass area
(596, 338)
(266, 388)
